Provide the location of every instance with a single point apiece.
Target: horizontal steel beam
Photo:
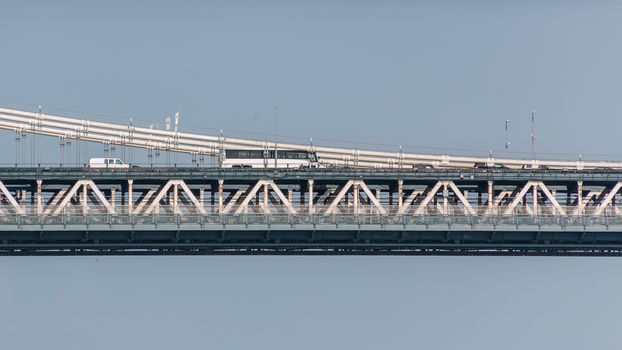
(271, 248)
(52, 172)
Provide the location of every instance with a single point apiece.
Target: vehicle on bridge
(535, 167)
(250, 158)
(114, 163)
(493, 166)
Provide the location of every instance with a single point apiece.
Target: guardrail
(186, 166)
(363, 210)
(306, 219)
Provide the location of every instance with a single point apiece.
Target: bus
(249, 158)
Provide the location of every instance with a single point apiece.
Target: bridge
(352, 202)
(200, 210)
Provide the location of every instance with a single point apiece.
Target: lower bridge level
(310, 234)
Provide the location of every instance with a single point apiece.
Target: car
(483, 165)
(422, 167)
(534, 167)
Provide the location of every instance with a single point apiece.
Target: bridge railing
(363, 210)
(308, 219)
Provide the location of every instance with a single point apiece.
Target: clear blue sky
(438, 75)
(441, 76)
(313, 302)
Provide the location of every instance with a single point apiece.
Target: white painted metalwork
(84, 184)
(196, 144)
(11, 199)
(307, 197)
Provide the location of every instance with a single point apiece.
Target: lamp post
(507, 139)
(533, 135)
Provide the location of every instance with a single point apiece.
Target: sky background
(432, 76)
(435, 76)
(312, 302)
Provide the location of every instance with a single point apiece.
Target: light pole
(507, 139)
(276, 139)
(533, 135)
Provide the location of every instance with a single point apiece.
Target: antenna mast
(533, 135)
(276, 138)
(507, 139)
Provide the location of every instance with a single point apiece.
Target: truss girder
(429, 195)
(607, 199)
(535, 186)
(18, 209)
(251, 194)
(327, 197)
(175, 184)
(84, 184)
(355, 185)
(408, 201)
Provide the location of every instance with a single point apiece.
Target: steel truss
(341, 211)
(296, 195)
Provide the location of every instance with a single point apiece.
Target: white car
(114, 163)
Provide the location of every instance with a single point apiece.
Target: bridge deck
(330, 174)
(304, 234)
(309, 211)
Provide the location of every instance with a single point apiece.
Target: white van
(115, 163)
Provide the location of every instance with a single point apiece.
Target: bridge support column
(202, 197)
(265, 198)
(175, 198)
(534, 194)
(85, 206)
(113, 199)
(310, 200)
(356, 198)
(490, 196)
(39, 198)
(445, 198)
(400, 199)
(220, 199)
(130, 198)
(580, 197)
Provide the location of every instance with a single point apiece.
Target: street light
(533, 135)
(507, 139)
